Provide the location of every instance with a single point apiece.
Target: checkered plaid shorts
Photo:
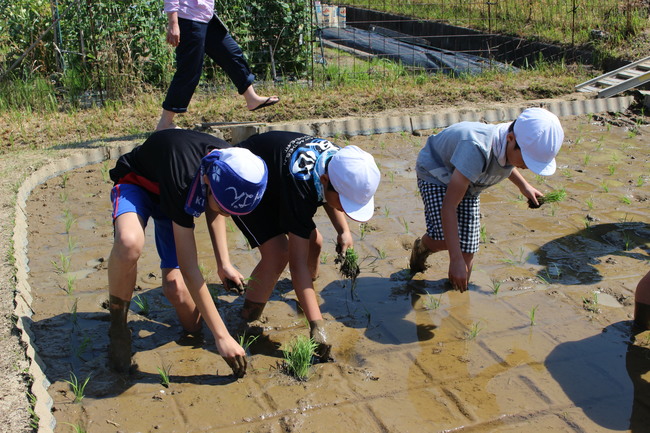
(468, 211)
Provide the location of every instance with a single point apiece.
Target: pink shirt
(195, 10)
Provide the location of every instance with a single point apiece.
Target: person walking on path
(195, 30)
(174, 177)
(461, 161)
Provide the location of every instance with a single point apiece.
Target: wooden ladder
(620, 80)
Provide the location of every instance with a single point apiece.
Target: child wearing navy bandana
(305, 173)
(174, 176)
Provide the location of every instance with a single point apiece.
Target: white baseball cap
(355, 176)
(539, 135)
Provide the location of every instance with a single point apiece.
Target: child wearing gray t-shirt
(458, 163)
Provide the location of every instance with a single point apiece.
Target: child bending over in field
(461, 161)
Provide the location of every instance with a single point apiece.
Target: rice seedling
(349, 266)
(550, 197)
(298, 356)
(245, 341)
(363, 230)
(514, 258)
(63, 265)
(611, 168)
(591, 304)
(405, 224)
(604, 186)
(640, 181)
(627, 241)
(143, 304)
(77, 387)
(392, 176)
(70, 283)
(323, 258)
(539, 179)
(381, 253)
(587, 222)
(82, 346)
(77, 428)
(64, 180)
(386, 211)
(586, 159)
(69, 220)
(163, 375)
(63, 196)
(473, 331)
(496, 285)
(483, 234)
(567, 173)
(73, 312)
(431, 302)
(590, 203)
(531, 315)
(72, 244)
(206, 273)
(625, 200)
(230, 226)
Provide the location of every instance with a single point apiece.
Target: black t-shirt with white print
(290, 158)
(165, 165)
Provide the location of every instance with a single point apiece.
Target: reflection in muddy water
(571, 259)
(520, 351)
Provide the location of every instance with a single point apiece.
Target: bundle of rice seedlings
(298, 356)
(349, 264)
(551, 197)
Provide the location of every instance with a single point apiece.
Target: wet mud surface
(410, 354)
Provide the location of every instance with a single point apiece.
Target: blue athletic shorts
(132, 198)
(468, 211)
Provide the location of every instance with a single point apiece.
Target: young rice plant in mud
(531, 315)
(550, 197)
(473, 331)
(591, 304)
(143, 304)
(245, 341)
(77, 387)
(431, 302)
(105, 169)
(77, 428)
(349, 266)
(298, 355)
(63, 265)
(496, 285)
(70, 283)
(33, 418)
(163, 375)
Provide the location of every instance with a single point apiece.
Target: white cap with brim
(355, 176)
(539, 135)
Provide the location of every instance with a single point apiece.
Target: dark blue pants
(197, 40)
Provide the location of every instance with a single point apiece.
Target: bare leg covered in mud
(642, 303)
(276, 253)
(425, 246)
(122, 272)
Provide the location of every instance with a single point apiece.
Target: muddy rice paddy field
(541, 342)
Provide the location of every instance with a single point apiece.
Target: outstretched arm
(526, 189)
(340, 223)
(458, 272)
(217, 229)
(228, 348)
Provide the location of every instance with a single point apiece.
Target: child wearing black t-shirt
(304, 173)
(173, 177)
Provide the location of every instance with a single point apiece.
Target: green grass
(298, 355)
